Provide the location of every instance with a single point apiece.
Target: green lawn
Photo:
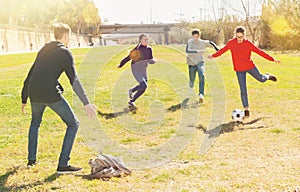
(164, 143)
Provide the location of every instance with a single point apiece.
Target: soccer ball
(237, 115)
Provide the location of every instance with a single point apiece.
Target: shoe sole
(67, 172)
(201, 100)
(132, 109)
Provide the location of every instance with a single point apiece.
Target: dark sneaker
(31, 163)
(247, 113)
(271, 77)
(68, 169)
(132, 106)
(130, 93)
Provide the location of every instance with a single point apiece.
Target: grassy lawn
(172, 143)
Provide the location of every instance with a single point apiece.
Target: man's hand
(23, 108)
(210, 57)
(91, 110)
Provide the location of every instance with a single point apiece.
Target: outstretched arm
(219, 52)
(263, 54)
(124, 61)
(214, 45)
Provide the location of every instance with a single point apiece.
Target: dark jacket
(42, 85)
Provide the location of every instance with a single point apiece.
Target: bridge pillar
(100, 41)
(159, 39)
(166, 33)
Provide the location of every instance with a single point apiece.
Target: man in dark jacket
(44, 90)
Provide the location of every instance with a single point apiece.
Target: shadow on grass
(173, 108)
(113, 115)
(86, 177)
(183, 105)
(4, 177)
(179, 106)
(230, 127)
(48, 179)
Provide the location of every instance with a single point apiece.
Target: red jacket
(241, 53)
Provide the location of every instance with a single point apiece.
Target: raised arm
(124, 61)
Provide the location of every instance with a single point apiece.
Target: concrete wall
(25, 40)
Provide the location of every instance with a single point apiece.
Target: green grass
(276, 130)
(262, 155)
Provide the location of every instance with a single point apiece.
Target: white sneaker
(201, 98)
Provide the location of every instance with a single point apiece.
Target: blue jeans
(192, 74)
(63, 109)
(139, 89)
(241, 75)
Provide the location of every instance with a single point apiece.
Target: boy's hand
(277, 61)
(23, 108)
(210, 57)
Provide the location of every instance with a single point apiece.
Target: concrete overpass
(157, 29)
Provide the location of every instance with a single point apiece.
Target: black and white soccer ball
(237, 115)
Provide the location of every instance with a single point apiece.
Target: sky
(167, 11)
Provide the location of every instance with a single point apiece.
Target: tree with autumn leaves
(281, 24)
(81, 15)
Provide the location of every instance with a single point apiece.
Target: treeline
(281, 24)
(277, 27)
(81, 15)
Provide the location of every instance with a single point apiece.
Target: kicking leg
(260, 77)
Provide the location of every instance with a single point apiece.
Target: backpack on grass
(107, 166)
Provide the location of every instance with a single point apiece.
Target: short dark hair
(60, 29)
(240, 29)
(196, 32)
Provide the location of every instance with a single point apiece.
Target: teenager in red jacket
(241, 49)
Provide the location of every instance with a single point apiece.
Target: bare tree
(252, 21)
